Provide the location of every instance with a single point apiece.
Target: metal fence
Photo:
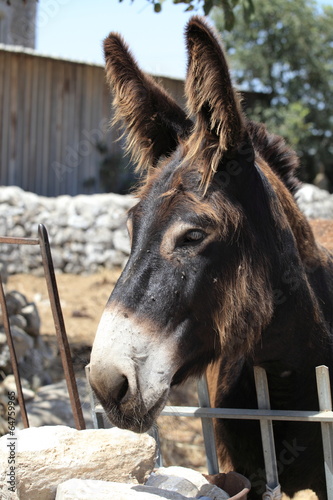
(265, 415)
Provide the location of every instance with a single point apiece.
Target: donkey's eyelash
(192, 237)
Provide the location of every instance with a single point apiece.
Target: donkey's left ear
(210, 94)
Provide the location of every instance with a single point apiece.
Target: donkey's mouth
(133, 416)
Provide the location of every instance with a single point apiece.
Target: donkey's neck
(297, 337)
(298, 331)
(304, 238)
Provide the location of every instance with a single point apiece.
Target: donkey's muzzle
(132, 364)
(120, 392)
(114, 384)
(119, 389)
(124, 404)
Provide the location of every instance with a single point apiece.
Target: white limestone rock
(48, 456)
(76, 489)
(51, 405)
(186, 481)
(121, 241)
(9, 385)
(183, 472)
(314, 202)
(23, 343)
(15, 302)
(31, 315)
(173, 483)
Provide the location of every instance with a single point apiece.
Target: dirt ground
(83, 299)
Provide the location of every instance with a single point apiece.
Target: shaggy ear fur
(211, 96)
(153, 121)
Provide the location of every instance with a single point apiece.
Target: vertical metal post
(153, 432)
(325, 404)
(13, 357)
(208, 428)
(60, 328)
(273, 489)
(97, 417)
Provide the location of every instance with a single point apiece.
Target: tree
(286, 51)
(227, 6)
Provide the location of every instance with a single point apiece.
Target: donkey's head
(196, 284)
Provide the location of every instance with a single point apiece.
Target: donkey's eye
(192, 237)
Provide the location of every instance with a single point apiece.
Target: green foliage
(227, 6)
(286, 51)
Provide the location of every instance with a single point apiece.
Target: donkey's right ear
(153, 121)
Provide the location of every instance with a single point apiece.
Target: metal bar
(13, 357)
(153, 432)
(97, 418)
(208, 428)
(325, 417)
(19, 241)
(267, 436)
(325, 404)
(91, 399)
(60, 328)
(235, 413)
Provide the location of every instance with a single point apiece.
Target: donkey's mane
(279, 156)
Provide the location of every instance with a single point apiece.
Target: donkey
(224, 272)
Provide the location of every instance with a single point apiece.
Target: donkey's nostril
(119, 388)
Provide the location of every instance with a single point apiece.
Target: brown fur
(219, 123)
(141, 104)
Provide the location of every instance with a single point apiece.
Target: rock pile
(31, 351)
(64, 464)
(47, 456)
(314, 202)
(50, 405)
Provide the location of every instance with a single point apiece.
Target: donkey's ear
(153, 121)
(211, 96)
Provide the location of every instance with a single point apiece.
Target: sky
(75, 29)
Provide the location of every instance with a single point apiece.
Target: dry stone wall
(88, 231)
(315, 203)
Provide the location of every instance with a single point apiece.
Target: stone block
(187, 482)
(15, 302)
(30, 313)
(48, 456)
(76, 489)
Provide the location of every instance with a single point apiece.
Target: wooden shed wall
(52, 114)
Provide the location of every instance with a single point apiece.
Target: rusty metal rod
(60, 328)
(19, 241)
(13, 357)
